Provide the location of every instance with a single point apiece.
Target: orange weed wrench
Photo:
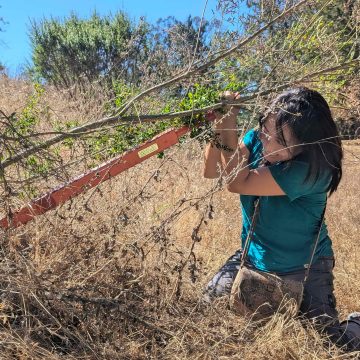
(95, 176)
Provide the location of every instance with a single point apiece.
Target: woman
(290, 163)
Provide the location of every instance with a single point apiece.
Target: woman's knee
(319, 299)
(221, 283)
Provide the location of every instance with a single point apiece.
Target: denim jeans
(318, 304)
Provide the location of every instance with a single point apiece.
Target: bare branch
(80, 130)
(197, 68)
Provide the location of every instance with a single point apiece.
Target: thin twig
(80, 130)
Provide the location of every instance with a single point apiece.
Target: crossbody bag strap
(307, 272)
(250, 233)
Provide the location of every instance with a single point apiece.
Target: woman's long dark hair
(309, 118)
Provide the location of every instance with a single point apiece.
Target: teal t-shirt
(287, 225)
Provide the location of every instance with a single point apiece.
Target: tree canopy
(111, 48)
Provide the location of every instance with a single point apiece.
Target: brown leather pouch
(261, 294)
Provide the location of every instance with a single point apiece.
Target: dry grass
(118, 272)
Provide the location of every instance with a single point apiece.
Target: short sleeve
(290, 176)
(250, 139)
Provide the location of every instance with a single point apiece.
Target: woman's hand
(229, 96)
(222, 120)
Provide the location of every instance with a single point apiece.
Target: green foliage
(21, 127)
(343, 17)
(309, 51)
(105, 145)
(63, 127)
(304, 43)
(24, 123)
(122, 93)
(37, 166)
(77, 51)
(29, 116)
(125, 137)
(198, 96)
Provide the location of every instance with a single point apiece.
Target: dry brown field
(118, 272)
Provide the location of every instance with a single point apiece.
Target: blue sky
(14, 41)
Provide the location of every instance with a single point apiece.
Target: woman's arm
(212, 154)
(212, 162)
(234, 159)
